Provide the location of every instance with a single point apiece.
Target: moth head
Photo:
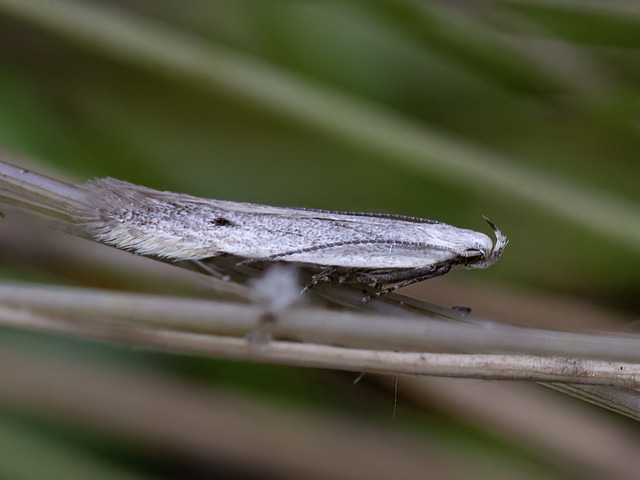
(488, 256)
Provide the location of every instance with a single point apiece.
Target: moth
(381, 251)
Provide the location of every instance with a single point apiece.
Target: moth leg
(420, 275)
(436, 272)
(209, 270)
(323, 276)
(247, 261)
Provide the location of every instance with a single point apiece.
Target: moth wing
(367, 254)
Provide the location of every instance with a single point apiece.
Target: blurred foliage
(552, 86)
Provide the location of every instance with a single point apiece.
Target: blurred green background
(325, 104)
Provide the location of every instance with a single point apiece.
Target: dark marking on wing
(221, 222)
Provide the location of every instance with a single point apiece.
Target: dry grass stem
(502, 367)
(316, 325)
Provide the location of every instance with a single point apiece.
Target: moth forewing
(357, 248)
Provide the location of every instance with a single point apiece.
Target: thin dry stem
(318, 325)
(496, 367)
